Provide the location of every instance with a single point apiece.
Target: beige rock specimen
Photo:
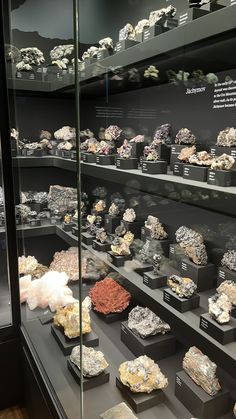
(228, 288)
(220, 308)
(69, 318)
(186, 153)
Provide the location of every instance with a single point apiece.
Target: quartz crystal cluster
(142, 375)
(163, 134)
(156, 229)
(220, 308)
(223, 162)
(183, 287)
(202, 370)
(227, 137)
(127, 32)
(144, 323)
(120, 411)
(193, 244)
(62, 198)
(186, 153)
(108, 296)
(160, 16)
(124, 151)
(69, 318)
(93, 361)
(229, 260)
(228, 288)
(129, 215)
(185, 136)
(30, 57)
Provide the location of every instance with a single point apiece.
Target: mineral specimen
(69, 318)
(220, 308)
(234, 410)
(86, 134)
(106, 43)
(193, 244)
(61, 54)
(124, 151)
(101, 235)
(182, 76)
(120, 230)
(105, 148)
(65, 133)
(141, 25)
(108, 296)
(121, 245)
(156, 263)
(186, 153)
(146, 253)
(62, 199)
(94, 362)
(50, 290)
(12, 54)
(66, 261)
(143, 322)
(163, 134)
(22, 212)
(142, 375)
(155, 227)
(227, 137)
(113, 210)
(228, 288)
(90, 145)
(229, 260)
(185, 136)
(120, 411)
(202, 370)
(202, 158)
(29, 57)
(160, 16)
(212, 78)
(92, 267)
(223, 162)
(127, 32)
(151, 72)
(184, 287)
(137, 139)
(26, 265)
(151, 151)
(99, 206)
(129, 215)
(112, 132)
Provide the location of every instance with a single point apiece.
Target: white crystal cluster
(29, 57)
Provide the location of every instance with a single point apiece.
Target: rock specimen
(120, 230)
(89, 146)
(22, 212)
(220, 308)
(151, 151)
(144, 323)
(69, 318)
(202, 158)
(100, 205)
(184, 287)
(193, 244)
(86, 134)
(202, 370)
(108, 296)
(61, 55)
(124, 151)
(156, 263)
(228, 288)
(141, 25)
(30, 57)
(142, 375)
(156, 229)
(27, 264)
(127, 32)
(129, 215)
(186, 153)
(92, 267)
(112, 132)
(105, 148)
(229, 260)
(185, 136)
(151, 72)
(113, 210)
(50, 290)
(12, 54)
(137, 139)
(163, 134)
(223, 162)
(94, 362)
(160, 16)
(227, 137)
(106, 43)
(62, 199)
(66, 261)
(101, 235)
(234, 410)
(121, 245)
(120, 411)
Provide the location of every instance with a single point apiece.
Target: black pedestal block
(118, 261)
(137, 149)
(221, 177)
(89, 61)
(181, 304)
(140, 401)
(144, 267)
(225, 274)
(104, 53)
(66, 344)
(203, 276)
(67, 226)
(75, 231)
(103, 160)
(33, 153)
(191, 14)
(66, 154)
(126, 164)
(125, 44)
(218, 150)
(134, 228)
(197, 401)
(88, 157)
(156, 347)
(178, 169)
(173, 159)
(36, 222)
(90, 382)
(212, 7)
(153, 280)
(113, 317)
(223, 333)
(111, 223)
(195, 173)
(46, 318)
(87, 238)
(36, 206)
(154, 167)
(101, 247)
(153, 31)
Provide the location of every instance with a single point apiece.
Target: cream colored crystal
(69, 318)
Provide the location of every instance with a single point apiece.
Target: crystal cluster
(90, 53)
(202, 370)
(183, 287)
(137, 139)
(160, 16)
(151, 151)
(124, 151)
(223, 162)
(227, 137)
(144, 323)
(66, 261)
(121, 245)
(141, 25)
(22, 211)
(113, 210)
(101, 235)
(106, 43)
(228, 288)
(193, 244)
(151, 72)
(29, 57)
(201, 158)
(62, 198)
(27, 264)
(61, 55)
(186, 153)
(220, 308)
(90, 145)
(127, 32)
(229, 260)
(163, 134)
(156, 263)
(112, 132)
(142, 375)
(33, 196)
(69, 318)
(108, 296)
(185, 136)
(100, 205)
(120, 411)
(92, 267)
(105, 148)
(156, 229)
(93, 361)
(67, 137)
(129, 215)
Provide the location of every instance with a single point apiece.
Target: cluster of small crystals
(112, 132)
(69, 318)
(151, 72)
(202, 370)
(66, 261)
(113, 210)
(185, 136)
(105, 148)
(22, 211)
(124, 151)
(121, 245)
(108, 296)
(156, 229)
(227, 137)
(151, 151)
(229, 260)
(101, 235)
(202, 158)
(193, 244)
(144, 323)
(61, 55)
(62, 199)
(129, 215)
(163, 134)
(94, 362)
(220, 308)
(184, 287)
(228, 288)
(223, 162)
(29, 57)
(186, 153)
(160, 16)
(104, 44)
(90, 145)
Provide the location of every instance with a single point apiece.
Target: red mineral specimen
(109, 297)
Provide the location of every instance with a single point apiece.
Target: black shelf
(46, 161)
(37, 85)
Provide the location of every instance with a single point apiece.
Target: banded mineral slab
(108, 296)
(144, 323)
(94, 362)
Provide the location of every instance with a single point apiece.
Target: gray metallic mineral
(229, 260)
(62, 198)
(184, 287)
(185, 136)
(120, 411)
(193, 244)
(144, 323)
(94, 362)
(220, 308)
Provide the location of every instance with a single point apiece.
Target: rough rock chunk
(202, 158)
(120, 411)
(129, 215)
(94, 362)
(227, 137)
(223, 162)
(193, 244)
(185, 136)
(69, 318)
(229, 260)
(184, 287)
(67, 261)
(186, 153)
(228, 288)
(143, 322)
(220, 308)
(108, 296)
(157, 230)
(62, 198)
(127, 32)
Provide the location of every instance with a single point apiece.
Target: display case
(124, 139)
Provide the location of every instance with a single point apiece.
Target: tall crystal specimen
(184, 287)
(94, 362)
(109, 297)
(202, 370)
(228, 288)
(142, 375)
(220, 308)
(144, 323)
(229, 260)
(193, 244)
